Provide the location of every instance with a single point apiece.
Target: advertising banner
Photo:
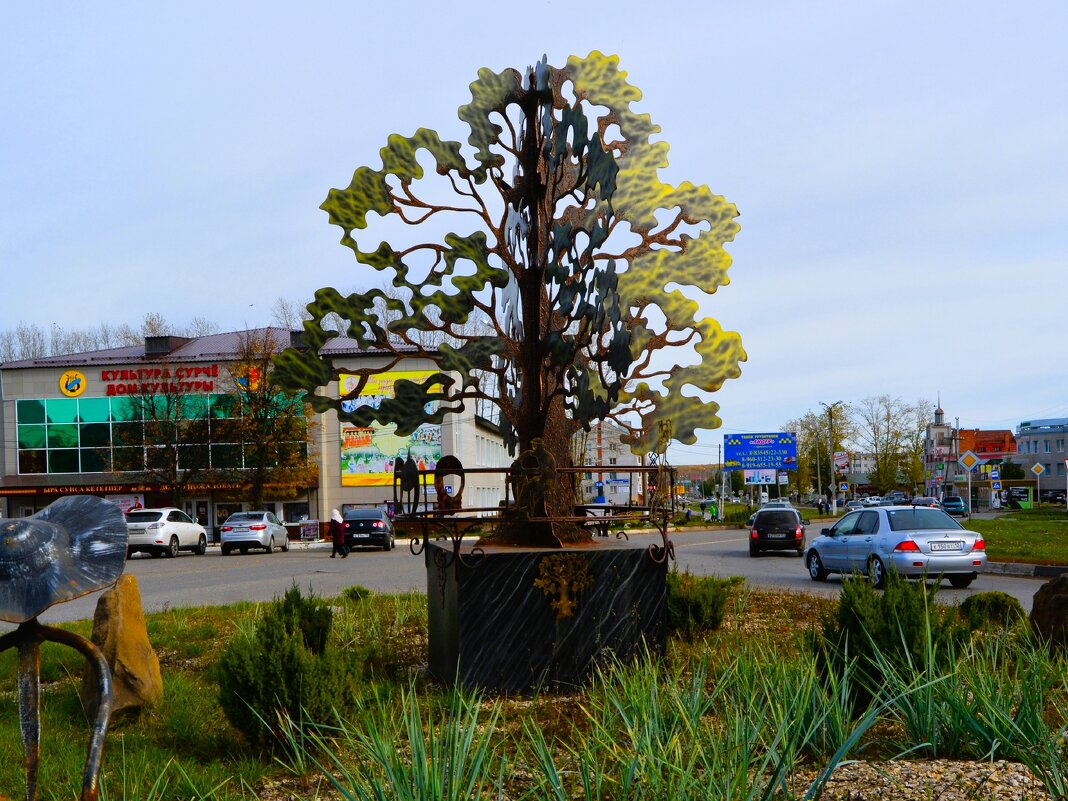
(368, 455)
(775, 451)
(841, 461)
(755, 477)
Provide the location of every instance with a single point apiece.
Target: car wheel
(816, 570)
(962, 582)
(285, 545)
(172, 548)
(753, 550)
(202, 546)
(226, 550)
(129, 553)
(877, 572)
(270, 545)
(244, 550)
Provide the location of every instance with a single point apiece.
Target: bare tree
(884, 426)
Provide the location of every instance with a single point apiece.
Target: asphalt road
(213, 579)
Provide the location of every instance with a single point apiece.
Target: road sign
(843, 486)
(995, 474)
(1037, 469)
(969, 461)
(995, 485)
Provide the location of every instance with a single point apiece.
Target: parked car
(925, 500)
(163, 531)
(777, 529)
(1052, 496)
(871, 500)
(955, 505)
(369, 527)
(915, 542)
(244, 530)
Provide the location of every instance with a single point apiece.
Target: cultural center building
(64, 421)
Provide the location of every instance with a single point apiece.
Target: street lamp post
(830, 454)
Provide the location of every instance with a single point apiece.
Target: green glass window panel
(225, 456)
(96, 460)
(62, 436)
(161, 407)
(61, 410)
(128, 433)
(160, 432)
(192, 457)
(125, 409)
(225, 431)
(128, 460)
(196, 407)
(31, 436)
(63, 460)
(94, 410)
(159, 458)
(31, 462)
(223, 406)
(95, 435)
(30, 411)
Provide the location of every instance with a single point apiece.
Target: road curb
(1025, 569)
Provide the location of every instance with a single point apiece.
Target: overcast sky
(901, 170)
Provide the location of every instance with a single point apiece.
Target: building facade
(1042, 442)
(66, 423)
(603, 445)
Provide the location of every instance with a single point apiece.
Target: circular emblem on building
(72, 383)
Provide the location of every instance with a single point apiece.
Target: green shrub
(902, 628)
(695, 604)
(307, 615)
(991, 610)
(355, 593)
(284, 672)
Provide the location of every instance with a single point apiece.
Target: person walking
(337, 535)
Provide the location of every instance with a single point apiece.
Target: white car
(164, 531)
(244, 530)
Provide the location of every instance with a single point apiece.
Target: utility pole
(830, 455)
(819, 481)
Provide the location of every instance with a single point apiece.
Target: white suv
(163, 531)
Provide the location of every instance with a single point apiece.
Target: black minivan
(777, 530)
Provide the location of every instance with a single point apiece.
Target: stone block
(119, 631)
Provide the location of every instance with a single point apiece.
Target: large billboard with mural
(369, 454)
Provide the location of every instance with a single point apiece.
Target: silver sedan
(244, 530)
(915, 542)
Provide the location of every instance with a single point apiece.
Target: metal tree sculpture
(569, 240)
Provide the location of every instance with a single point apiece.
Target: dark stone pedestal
(525, 619)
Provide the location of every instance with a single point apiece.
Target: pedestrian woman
(337, 535)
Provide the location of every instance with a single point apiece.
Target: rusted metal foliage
(75, 546)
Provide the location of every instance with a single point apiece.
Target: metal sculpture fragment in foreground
(75, 546)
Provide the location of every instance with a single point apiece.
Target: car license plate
(947, 546)
(239, 530)
(777, 535)
(360, 534)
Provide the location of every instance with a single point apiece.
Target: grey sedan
(915, 542)
(244, 530)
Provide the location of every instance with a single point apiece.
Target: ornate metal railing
(444, 515)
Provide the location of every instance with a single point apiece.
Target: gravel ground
(934, 780)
